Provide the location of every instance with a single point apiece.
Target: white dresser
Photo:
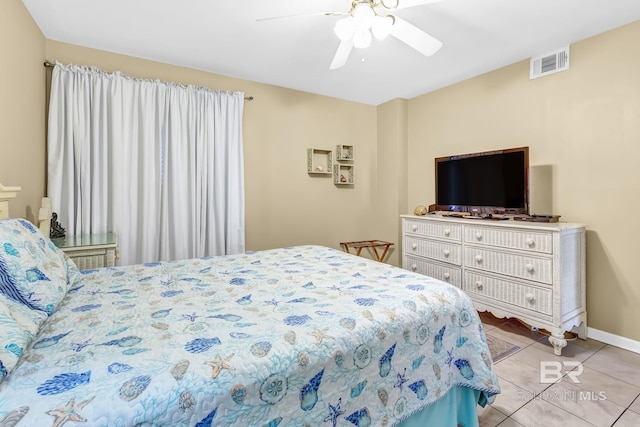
(531, 271)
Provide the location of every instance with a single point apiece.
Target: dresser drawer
(534, 241)
(521, 266)
(439, 230)
(446, 273)
(434, 249)
(525, 296)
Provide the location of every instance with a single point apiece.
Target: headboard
(6, 194)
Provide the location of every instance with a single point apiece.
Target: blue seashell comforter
(296, 336)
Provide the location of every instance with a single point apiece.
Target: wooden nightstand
(90, 251)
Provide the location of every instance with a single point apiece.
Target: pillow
(18, 326)
(74, 275)
(33, 271)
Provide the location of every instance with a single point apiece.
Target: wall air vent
(549, 63)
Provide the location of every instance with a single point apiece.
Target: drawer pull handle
(478, 236)
(530, 268)
(530, 242)
(478, 284)
(530, 297)
(446, 252)
(414, 267)
(446, 276)
(478, 259)
(447, 231)
(414, 246)
(414, 227)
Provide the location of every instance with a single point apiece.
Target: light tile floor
(607, 394)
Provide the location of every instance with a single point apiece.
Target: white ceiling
(227, 37)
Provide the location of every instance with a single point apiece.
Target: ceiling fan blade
(342, 54)
(301, 15)
(405, 4)
(415, 37)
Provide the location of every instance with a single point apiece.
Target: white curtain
(158, 163)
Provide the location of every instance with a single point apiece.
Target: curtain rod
(49, 64)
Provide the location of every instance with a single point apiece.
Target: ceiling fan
(368, 18)
(371, 18)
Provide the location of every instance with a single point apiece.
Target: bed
(297, 336)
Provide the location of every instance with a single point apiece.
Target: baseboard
(612, 339)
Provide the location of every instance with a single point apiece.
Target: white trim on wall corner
(612, 339)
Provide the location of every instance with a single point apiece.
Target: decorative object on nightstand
(319, 161)
(90, 251)
(57, 230)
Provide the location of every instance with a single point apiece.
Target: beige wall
(583, 130)
(22, 93)
(391, 165)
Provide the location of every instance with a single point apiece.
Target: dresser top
(508, 223)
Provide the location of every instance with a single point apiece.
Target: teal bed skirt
(456, 408)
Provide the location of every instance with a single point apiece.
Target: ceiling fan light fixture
(381, 27)
(363, 16)
(345, 28)
(362, 38)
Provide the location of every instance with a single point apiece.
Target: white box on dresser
(528, 270)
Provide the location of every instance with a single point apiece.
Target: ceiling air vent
(549, 63)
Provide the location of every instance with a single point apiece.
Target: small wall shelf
(319, 161)
(343, 174)
(344, 153)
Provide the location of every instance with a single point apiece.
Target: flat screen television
(484, 183)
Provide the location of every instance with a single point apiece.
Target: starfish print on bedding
(68, 412)
(449, 357)
(320, 335)
(191, 317)
(401, 380)
(218, 364)
(334, 413)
